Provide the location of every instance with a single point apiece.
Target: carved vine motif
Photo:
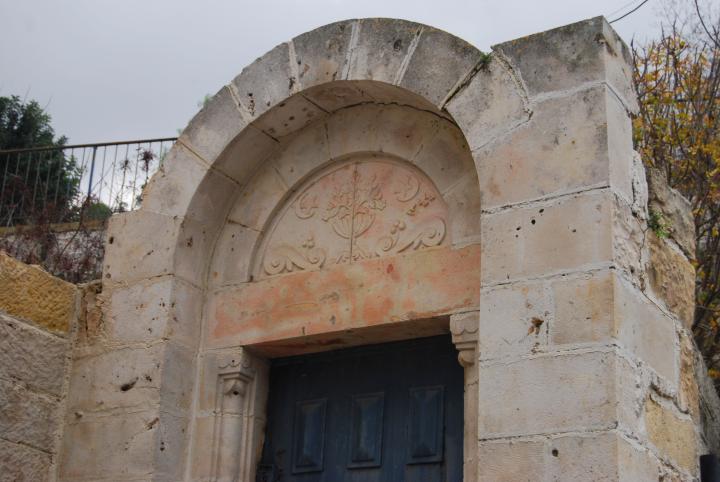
(426, 235)
(286, 258)
(352, 207)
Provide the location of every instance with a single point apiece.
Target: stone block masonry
(369, 181)
(38, 315)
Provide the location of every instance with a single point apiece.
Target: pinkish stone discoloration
(385, 290)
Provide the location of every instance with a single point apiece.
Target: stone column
(464, 330)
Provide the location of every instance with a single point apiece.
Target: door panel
(382, 413)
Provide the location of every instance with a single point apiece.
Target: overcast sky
(134, 69)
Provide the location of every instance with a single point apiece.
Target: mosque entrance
(383, 413)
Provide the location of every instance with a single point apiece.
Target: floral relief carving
(360, 210)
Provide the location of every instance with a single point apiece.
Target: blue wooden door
(382, 413)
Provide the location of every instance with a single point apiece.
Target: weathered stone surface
(670, 209)
(382, 45)
(120, 447)
(194, 244)
(602, 456)
(489, 106)
(245, 154)
(438, 64)
(289, 116)
(435, 281)
(583, 309)
(321, 54)
(127, 379)
(646, 331)
(445, 157)
(565, 147)
(259, 198)
(31, 357)
(516, 399)
(29, 292)
(340, 94)
(210, 131)
(169, 307)
(602, 307)
(463, 200)
(27, 418)
(689, 396)
(300, 154)
(236, 242)
(20, 463)
(566, 57)
(171, 189)
(133, 252)
(709, 407)
(672, 436)
(404, 132)
(568, 234)
(171, 449)
(514, 320)
(672, 278)
(266, 82)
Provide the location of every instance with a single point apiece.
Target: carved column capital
(464, 329)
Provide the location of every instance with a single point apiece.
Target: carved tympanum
(361, 209)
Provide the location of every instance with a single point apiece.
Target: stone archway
(363, 227)
(539, 131)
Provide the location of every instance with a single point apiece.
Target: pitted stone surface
(31, 356)
(31, 293)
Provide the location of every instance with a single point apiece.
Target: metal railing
(59, 184)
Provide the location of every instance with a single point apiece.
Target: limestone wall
(37, 320)
(576, 343)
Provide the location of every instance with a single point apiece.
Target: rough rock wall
(671, 279)
(37, 319)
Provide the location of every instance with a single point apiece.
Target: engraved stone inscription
(367, 207)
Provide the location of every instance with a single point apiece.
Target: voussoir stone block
(382, 45)
(31, 293)
(246, 154)
(566, 57)
(236, 243)
(321, 54)
(258, 199)
(210, 131)
(266, 82)
(289, 116)
(438, 64)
